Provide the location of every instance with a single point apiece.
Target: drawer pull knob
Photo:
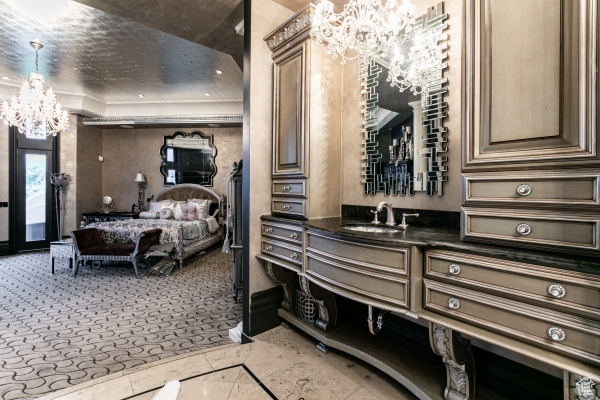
(557, 334)
(286, 207)
(453, 303)
(524, 190)
(294, 235)
(557, 291)
(287, 188)
(523, 229)
(454, 269)
(269, 230)
(294, 256)
(269, 248)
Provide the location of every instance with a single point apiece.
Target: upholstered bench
(89, 247)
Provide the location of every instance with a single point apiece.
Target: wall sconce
(140, 179)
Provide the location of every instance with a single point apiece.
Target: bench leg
(76, 266)
(134, 262)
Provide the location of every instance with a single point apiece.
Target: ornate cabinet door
(289, 110)
(531, 85)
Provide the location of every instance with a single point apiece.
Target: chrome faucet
(404, 225)
(390, 212)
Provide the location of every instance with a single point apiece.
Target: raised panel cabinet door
(289, 111)
(531, 85)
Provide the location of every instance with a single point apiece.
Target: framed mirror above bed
(188, 158)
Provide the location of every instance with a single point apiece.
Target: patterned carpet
(57, 331)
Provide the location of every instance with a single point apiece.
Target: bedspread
(127, 231)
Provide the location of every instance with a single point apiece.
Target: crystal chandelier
(33, 112)
(364, 29)
(423, 67)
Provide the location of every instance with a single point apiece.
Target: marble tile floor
(282, 363)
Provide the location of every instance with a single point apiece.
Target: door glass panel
(35, 197)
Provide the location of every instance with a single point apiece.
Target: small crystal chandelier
(364, 29)
(422, 68)
(33, 112)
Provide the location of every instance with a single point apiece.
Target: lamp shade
(140, 178)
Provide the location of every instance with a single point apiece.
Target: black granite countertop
(447, 239)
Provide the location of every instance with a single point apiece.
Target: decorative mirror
(404, 135)
(188, 158)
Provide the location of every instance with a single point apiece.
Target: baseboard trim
(4, 248)
(263, 310)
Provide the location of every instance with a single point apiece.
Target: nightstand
(62, 249)
(99, 216)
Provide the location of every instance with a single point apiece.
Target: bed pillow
(177, 213)
(149, 215)
(201, 208)
(166, 213)
(156, 206)
(188, 213)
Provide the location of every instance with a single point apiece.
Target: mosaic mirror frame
(433, 147)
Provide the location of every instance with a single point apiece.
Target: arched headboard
(188, 191)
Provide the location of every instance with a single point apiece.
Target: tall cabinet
(306, 123)
(531, 164)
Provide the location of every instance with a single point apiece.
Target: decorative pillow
(166, 213)
(201, 208)
(155, 206)
(188, 213)
(149, 215)
(177, 213)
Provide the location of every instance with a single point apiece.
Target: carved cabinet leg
(325, 302)
(579, 387)
(456, 354)
(287, 280)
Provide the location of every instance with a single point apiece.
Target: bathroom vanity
(542, 306)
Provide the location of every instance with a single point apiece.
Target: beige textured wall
(352, 191)
(3, 180)
(67, 144)
(128, 151)
(89, 169)
(266, 16)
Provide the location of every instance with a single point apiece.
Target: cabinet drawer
(392, 261)
(290, 187)
(532, 229)
(358, 283)
(290, 233)
(556, 331)
(566, 291)
(552, 188)
(283, 251)
(291, 207)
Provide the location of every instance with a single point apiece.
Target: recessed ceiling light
(207, 94)
(6, 78)
(127, 126)
(214, 125)
(218, 71)
(140, 95)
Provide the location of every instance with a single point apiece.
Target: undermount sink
(372, 228)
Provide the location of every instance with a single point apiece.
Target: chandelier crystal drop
(34, 112)
(423, 66)
(364, 29)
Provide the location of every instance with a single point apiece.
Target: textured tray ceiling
(112, 59)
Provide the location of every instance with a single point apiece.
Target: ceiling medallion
(35, 112)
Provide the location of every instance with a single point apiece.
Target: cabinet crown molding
(294, 28)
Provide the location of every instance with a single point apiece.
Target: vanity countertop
(446, 239)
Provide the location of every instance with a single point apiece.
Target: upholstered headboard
(188, 191)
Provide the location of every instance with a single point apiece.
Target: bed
(188, 237)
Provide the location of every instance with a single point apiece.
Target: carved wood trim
(460, 366)
(297, 27)
(325, 301)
